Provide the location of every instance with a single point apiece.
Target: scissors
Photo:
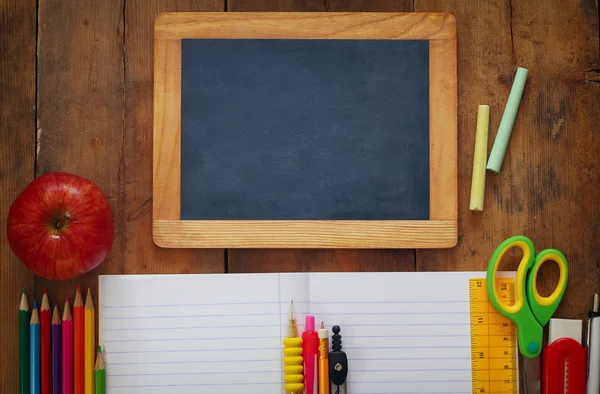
(531, 311)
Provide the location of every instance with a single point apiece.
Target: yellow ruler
(493, 340)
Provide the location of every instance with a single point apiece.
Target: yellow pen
(323, 360)
(292, 356)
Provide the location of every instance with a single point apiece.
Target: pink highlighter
(310, 348)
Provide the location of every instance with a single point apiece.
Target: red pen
(310, 349)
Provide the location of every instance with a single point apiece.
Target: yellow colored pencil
(88, 343)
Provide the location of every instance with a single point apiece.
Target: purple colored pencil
(56, 352)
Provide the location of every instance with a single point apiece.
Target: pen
(310, 347)
(323, 360)
(593, 347)
(292, 356)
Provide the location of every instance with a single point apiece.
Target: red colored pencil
(45, 340)
(78, 314)
(67, 350)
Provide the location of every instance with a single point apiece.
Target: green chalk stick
(508, 120)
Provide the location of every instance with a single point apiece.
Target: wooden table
(76, 88)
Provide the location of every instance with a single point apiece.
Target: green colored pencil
(99, 377)
(24, 343)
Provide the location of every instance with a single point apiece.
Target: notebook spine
(293, 369)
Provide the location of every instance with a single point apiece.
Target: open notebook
(403, 332)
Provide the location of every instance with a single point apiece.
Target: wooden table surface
(76, 96)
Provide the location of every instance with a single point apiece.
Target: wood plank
(298, 25)
(305, 233)
(275, 5)
(323, 260)
(369, 5)
(17, 155)
(263, 260)
(80, 116)
(97, 103)
(167, 130)
(548, 187)
(443, 193)
(141, 254)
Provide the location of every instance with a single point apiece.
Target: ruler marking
(493, 341)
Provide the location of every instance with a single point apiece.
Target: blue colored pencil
(34, 350)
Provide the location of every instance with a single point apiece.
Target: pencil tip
(322, 325)
(67, 299)
(99, 349)
(78, 288)
(34, 304)
(24, 292)
(45, 292)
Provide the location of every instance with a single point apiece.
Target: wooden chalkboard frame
(439, 232)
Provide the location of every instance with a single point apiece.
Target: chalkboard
(304, 130)
(320, 130)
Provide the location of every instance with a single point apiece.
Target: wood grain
(17, 151)
(438, 232)
(259, 260)
(324, 260)
(548, 188)
(275, 5)
(443, 193)
(95, 103)
(141, 253)
(369, 5)
(167, 130)
(357, 234)
(339, 25)
(95, 117)
(80, 111)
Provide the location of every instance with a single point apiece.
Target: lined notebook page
(402, 332)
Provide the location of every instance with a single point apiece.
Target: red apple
(60, 226)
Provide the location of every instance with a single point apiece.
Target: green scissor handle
(531, 311)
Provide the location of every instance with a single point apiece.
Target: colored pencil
(78, 323)
(34, 350)
(67, 350)
(99, 373)
(24, 343)
(89, 347)
(45, 343)
(56, 352)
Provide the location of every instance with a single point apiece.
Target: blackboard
(304, 130)
(309, 130)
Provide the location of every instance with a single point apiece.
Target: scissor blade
(532, 375)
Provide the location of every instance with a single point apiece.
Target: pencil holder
(293, 369)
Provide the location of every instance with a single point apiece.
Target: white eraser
(564, 328)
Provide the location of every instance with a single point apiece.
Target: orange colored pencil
(78, 361)
(45, 346)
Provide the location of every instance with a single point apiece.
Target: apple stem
(60, 223)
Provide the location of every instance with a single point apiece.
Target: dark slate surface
(304, 129)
